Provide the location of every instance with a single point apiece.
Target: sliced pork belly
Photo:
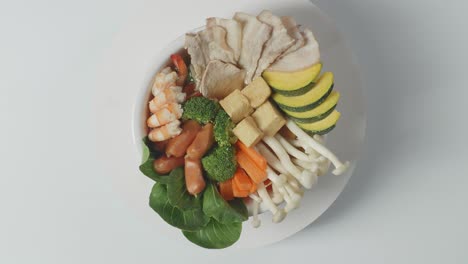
(279, 42)
(214, 45)
(220, 79)
(233, 33)
(293, 31)
(303, 57)
(254, 36)
(193, 44)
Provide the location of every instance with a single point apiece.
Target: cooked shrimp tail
(165, 132)
(165, 115)
(169, 95)
(164, 79)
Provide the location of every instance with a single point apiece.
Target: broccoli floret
(223, 126)
(220, 164)
(200, 109)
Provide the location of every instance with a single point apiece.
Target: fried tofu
(237, 106)
(257, 92)
(268, 119)
(248, 132)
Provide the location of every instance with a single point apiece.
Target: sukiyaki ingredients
(220, 79)
(202, 142)
(237, 106)
(181, 68)
(223, 127)
(165, 132)
(164, 165)
(251, 166)
(233, 33)
(220, 163)
(200, 109)
(194, 176)
(294, 32)
(257, 92)
(268, 119)
(301, 58)
(166, 78)
(254, 36)
(278, 43)
(168, 113)
(308, 140)
(177, 146)
(173, 94)
(214, 46)
(197, 58)
(248, 132)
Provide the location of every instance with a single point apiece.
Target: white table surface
(406, 202)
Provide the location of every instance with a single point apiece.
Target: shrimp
(165, 132)
(173, 94)
(164, 79)
(165, 115)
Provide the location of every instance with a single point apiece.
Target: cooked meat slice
(293, 31)
(233, 33)
(214, 45)
(254, 36)
(198, 62)
(304, 57)
(220, 79)
(279, 42)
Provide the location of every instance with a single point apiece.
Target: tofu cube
(237, 106)
(257, 92)
(268, 119)
(248, 132)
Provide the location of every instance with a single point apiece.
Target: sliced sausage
(165, 164)
(194, 176)
(178, 146)
(202, 143)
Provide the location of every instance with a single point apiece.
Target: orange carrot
(255, 173)
(241, 180)
(253, 155)
(237, 192)
(225, 189)
(253, 188)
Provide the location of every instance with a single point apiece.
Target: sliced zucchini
(297, 92)
(290, 81)
(322, 126)
(318, 113)
(309, 100)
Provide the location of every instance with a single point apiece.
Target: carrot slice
(237, 192)
(255, 173)
(253, 188)
(225, 189)
(241, 180)
(253, 155)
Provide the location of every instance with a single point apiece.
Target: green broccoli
(200, 109)
(223, 129)
(220, 163)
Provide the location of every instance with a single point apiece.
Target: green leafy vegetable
(220, 163)
(216, 207)
(189, 220)
(177, 192)
(147, 167)
(215, 235)
(200, 109)
(190, 78)
(223, 126)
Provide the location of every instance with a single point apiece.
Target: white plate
(124, 78)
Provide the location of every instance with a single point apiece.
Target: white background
(406, 202)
